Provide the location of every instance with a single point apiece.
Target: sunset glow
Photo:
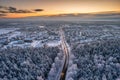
(55, 7)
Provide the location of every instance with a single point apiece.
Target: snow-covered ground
(36, 44)
(14, 34)
(87, 40)
(41, 26)
(7, 30)
(53, 43)
(12, 44)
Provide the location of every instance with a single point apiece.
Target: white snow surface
(14, 34)
(41, 26)
(18, 45)
(87, 40)
(7, 30)
(53, 43)
(36, 44)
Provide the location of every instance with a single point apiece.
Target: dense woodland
(97, 61)
(94, 50)
(27, 63)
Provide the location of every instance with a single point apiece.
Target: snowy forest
(27, 63)
(97, 61)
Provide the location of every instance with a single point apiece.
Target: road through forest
(66, 54)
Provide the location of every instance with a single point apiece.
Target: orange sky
(52, 7)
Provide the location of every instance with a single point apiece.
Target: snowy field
(53, 43)
(7, 30)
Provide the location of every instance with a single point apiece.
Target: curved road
(66, 53)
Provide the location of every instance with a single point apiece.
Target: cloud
(89, 15)
(1, 15)
(38, 10)
(4, 9)
(10, 9)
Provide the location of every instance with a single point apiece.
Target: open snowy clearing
(7, 30)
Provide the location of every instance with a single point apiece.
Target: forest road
(66, 53)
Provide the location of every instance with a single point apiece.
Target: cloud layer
(4, 10)
(37, 10)
(2, 14)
